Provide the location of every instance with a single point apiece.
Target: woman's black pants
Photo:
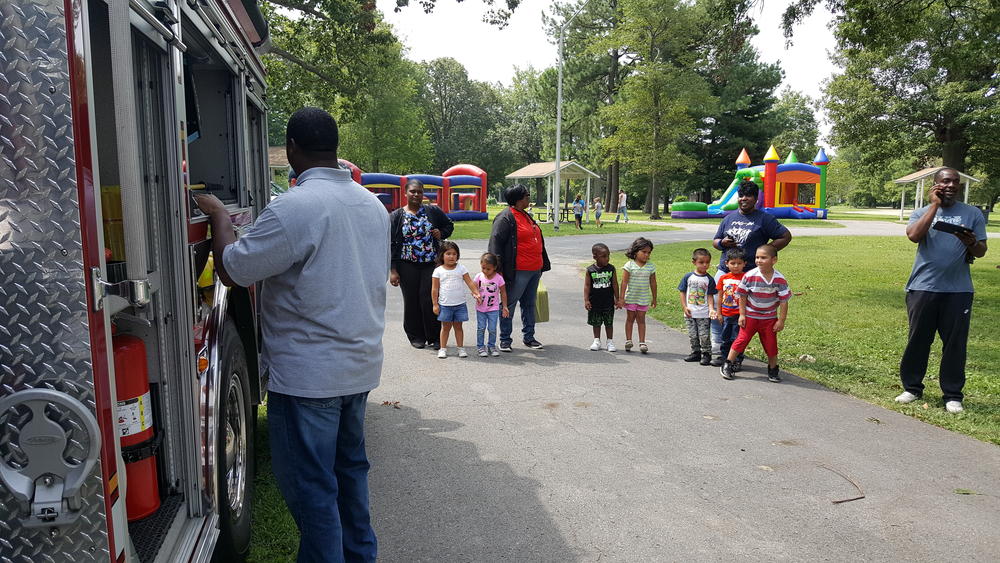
(419, 321)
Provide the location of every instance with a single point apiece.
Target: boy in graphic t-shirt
(764, 298)
(696, 291)
(729, 304)
(600, 289)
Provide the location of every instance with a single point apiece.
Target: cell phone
(951, 228)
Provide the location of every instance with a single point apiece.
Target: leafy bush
(861, 198)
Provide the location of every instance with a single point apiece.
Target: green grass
(481, 229)
(853, 322)
(275, 538)
(813, 223)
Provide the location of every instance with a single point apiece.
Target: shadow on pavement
(434, 498)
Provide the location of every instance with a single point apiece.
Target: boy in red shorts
(764, 298)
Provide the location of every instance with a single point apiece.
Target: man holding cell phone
(949, 236)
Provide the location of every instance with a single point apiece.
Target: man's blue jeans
(486, 322)
(319, 461)
(522, 290)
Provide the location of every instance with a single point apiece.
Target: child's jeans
(487, 322)
(730, 329)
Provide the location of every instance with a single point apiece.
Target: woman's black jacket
(503, 243)
(438, 219)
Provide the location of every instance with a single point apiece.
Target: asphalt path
(564, 454)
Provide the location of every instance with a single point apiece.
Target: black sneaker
(434, 345)
(727, 370)
(738, 366)
(693, 357)
(534, 344)
(772, 374)
(706, 359)
(504, 347)
(417, 344)
(718, 361)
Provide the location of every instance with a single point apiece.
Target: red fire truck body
(128, 375)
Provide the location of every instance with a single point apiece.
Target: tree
(796, 123)
(391, 135)
(653, 116)
(920, 77)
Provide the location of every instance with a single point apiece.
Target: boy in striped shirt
(764, 298)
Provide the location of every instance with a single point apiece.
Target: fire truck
(129, 381)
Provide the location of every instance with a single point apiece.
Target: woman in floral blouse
(416, 231)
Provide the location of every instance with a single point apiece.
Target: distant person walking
(598, 211)
(579, 205)
(949, 236)
(322, 253)
(622, 206)
(416, 231)
(518, 242)
(747, 229)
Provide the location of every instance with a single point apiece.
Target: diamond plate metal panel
(44, 339)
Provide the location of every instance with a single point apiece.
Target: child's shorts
(636, 307)
(597, 318)
(762, 327)
(453, 313)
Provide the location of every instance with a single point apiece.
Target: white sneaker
(461, 353)
(954, 407)
(482, 352)
(443, 353)
(596, 345)
(494, 352)
(611, 347)
(906, 397)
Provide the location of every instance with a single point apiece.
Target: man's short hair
(748, 187)
(937, 175)
(313, 130)
(515, 193)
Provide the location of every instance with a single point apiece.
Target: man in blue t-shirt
(747, 229)
(939, 292)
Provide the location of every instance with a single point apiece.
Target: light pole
(558, 163)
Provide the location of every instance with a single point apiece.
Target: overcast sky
(455, 29)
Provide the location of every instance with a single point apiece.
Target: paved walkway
(565, 454)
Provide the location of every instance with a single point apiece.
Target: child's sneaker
(693, 357)
(738, 365)
(643, 348)
(706, 359)
(596, 344)
(727, 370)
(461, 353)
(611, 347)
(718, 361)
(772, 374)
(443, 352)
(482, 352)
(628, 345)
(493, 351)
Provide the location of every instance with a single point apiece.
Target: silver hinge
(119, 295)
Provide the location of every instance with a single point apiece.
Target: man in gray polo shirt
(322, 253)
(939, 292)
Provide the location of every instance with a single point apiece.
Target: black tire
(235, 502)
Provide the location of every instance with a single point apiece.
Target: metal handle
(47, 486)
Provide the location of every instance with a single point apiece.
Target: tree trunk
(954, 144)
(653, 198)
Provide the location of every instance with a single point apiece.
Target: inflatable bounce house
(782, 186)
(460, 191)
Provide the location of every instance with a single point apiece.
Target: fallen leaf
(765, 468)
(925, 406)
(965, 492)
(393, 404)
(709, 417)
(873, 419)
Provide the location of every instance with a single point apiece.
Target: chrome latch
(124, 293)
(47, 486)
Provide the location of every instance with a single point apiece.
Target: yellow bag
(541, 303)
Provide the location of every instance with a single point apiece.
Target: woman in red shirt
(517, 241)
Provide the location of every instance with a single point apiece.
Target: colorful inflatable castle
(460, 191)
(789, 190)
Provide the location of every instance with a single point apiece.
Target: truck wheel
(237, 417)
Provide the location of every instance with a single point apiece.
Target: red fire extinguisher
(135, 427)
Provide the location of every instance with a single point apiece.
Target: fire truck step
(148, 534)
